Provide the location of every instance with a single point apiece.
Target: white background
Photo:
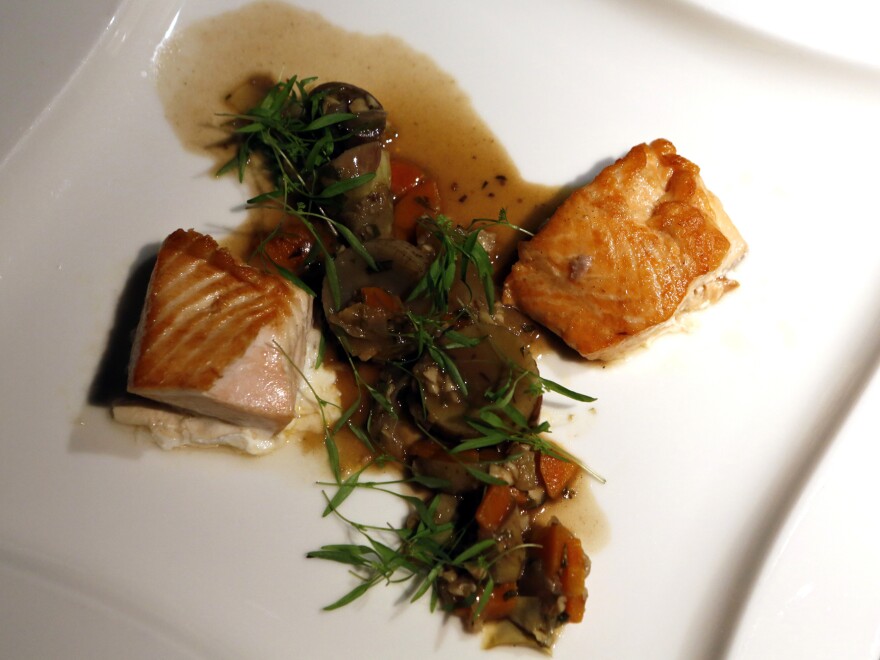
(740, 500)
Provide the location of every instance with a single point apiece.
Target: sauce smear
(433, 121)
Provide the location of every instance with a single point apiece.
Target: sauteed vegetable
(454, 399)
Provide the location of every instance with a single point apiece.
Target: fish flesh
(218, 337)
(625, 256)
(318, 403)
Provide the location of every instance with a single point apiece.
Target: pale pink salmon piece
(217, 337)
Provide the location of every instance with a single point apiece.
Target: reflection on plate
(822, 571)
(49, 612)
(702, 438)
(59, 45)
(852, 39)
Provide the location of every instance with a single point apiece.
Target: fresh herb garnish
(417, 552)
(458, 250)
(293, 139)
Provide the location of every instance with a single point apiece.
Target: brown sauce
(433, 124)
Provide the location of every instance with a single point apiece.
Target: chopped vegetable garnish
(456, 403)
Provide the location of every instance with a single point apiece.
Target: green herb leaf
(345, 489)
(352, 595)
(345, 185)
(551, 386)
(328, 120)
(476, 549)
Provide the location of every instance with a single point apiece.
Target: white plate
(705, 438)
(822, 571)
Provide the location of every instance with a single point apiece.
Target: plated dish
(122, 514)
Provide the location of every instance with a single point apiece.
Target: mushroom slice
(489, 359)
(371, 318)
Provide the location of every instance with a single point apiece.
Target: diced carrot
(422, 199)
(574, 608)
(495, 507)
(552, 541)
(289, 249)
(556, 474)
(501, 602)
(405, 175)
(574, 573)
(563, 558)
(381, 299)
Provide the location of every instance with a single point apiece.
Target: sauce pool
(432, 119)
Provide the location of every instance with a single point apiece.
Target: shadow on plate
(748, 571)
(587, 177)
(92, 616)
(108, 385)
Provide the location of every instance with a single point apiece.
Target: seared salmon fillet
(217, 337)
(623, 256)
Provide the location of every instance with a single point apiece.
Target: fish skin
(217, 337)
(623, 257)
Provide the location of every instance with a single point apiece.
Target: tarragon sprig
(417, 552)
(288, 132)
(458, 251)
(291, 138)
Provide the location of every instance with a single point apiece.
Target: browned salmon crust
(214, 333)
(624, 255)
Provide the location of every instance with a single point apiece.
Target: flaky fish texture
(623, 257)
(218, 337)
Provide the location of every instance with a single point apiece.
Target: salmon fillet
(217, 337)
(624, 256)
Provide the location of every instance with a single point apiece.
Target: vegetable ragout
(448, 389)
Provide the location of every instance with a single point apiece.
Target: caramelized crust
(621, 256)
(194, 280)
